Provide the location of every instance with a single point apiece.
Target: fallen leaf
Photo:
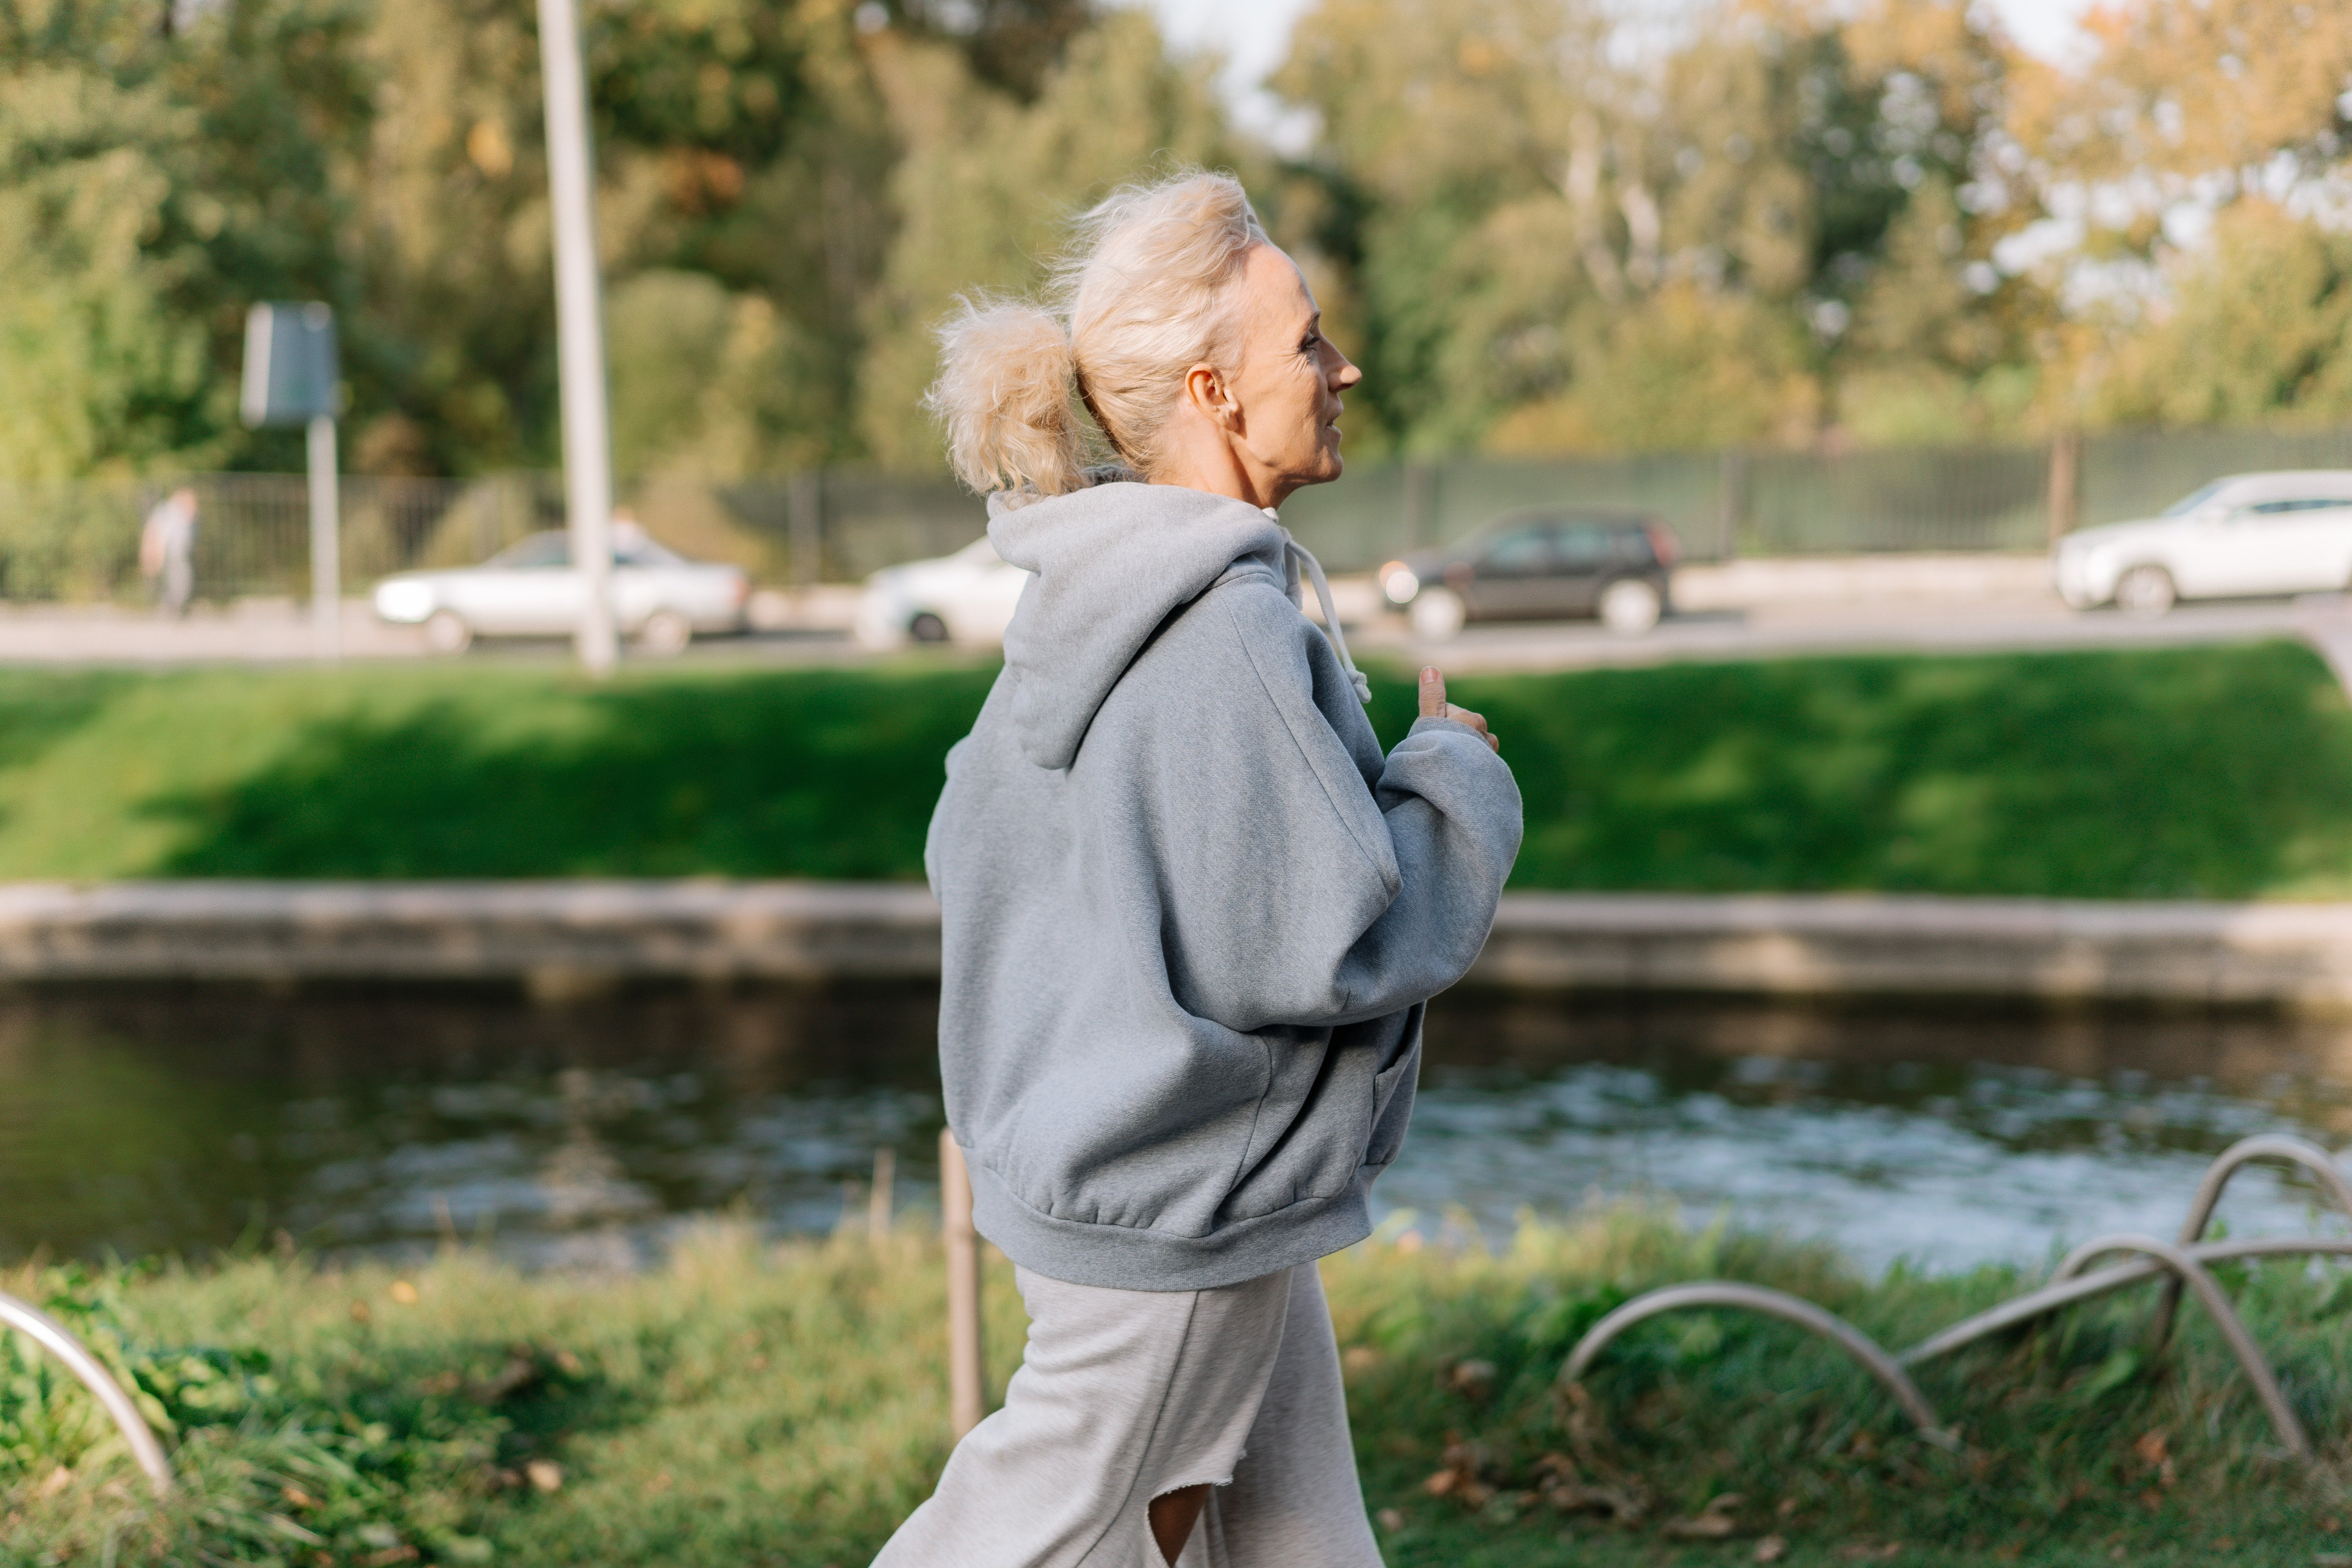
(1470, 1379)
(519, 1373)
(1443, 1482)
(403, 1292)
(296, 1498)
(545, 1475)
(1712, 1523)
(1389, 1519)
(1771, 1549)
(1619, 1505)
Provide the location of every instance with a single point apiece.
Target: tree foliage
(1538, 229)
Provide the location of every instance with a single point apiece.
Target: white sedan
(967, 597)
(2250, 534)
(659, 597)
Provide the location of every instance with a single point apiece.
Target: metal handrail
(2268, 1146)
(1776, 1304)
(2085, 1287)
(58, 1340)
(2179, 1264)
(2186, 1269)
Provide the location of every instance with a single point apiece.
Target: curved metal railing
(58, 1340)
(2179, 1265)
(1775, 1304)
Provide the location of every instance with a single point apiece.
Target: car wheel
(666, 632)
(1631, 605)
(927, 628)
(1438, 613)
(2144, 590)
(445, 631)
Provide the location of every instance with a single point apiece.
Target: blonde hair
(1142, 294)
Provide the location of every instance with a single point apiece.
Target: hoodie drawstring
(1297, 556)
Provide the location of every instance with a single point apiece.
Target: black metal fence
(79, 540)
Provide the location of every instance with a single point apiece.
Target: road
(1741, 611)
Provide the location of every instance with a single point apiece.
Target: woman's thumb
(1433, 693)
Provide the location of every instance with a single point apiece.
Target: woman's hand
(1434, 706)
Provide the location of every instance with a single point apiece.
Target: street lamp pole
(580, 330)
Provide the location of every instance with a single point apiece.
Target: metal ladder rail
(60, 1341)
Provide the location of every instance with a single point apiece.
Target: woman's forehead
(1277, 287)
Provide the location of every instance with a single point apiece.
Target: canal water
(585, 1135)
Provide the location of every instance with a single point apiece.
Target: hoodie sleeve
(1290, 889)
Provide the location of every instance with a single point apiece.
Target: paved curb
(553, 936)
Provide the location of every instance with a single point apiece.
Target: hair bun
(1143, 292)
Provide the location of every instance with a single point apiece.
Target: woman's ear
(1206, 388)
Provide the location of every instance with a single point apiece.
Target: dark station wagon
(1538, 564)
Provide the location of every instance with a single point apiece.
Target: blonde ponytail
(1004, 394)
(1142, 294)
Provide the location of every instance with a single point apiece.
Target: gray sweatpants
(1123, 1396)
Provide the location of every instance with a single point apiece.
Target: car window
(2191, 502)
(1585, 544)
(645, 552)
(2273, 508)
(539, 549)
(1523, 550)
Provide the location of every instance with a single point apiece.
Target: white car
(967, 597)
(659, 597)
(2252, 534)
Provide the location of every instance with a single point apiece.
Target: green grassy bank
(750, 1405)
(2209, 771)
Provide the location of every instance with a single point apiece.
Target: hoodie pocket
(1393, 1093)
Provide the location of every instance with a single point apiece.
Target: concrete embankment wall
(554, 936)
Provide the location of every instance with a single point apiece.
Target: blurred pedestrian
(1191, 912)
(167, 551)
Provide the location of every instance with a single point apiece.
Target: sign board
(290, 370)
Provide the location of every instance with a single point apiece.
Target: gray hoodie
(1191, 913)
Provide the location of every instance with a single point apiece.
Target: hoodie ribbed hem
(1127, 1257)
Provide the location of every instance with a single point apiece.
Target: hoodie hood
(1110, 563)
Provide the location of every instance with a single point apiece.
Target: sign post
(580, 331)
(292, 377)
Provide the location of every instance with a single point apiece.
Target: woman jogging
(1191, 912)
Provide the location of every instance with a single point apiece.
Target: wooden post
(878, 1199)
(1730, 501)
(2065, 483)
(964, 1289)
(1420, 505)
(804, 527)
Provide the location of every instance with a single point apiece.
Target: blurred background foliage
(1769, 222)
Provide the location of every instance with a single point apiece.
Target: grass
(784, 1405)
(2208, 772)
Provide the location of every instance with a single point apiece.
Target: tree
(2194, 88)
(986, 183)
(2259, 327)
